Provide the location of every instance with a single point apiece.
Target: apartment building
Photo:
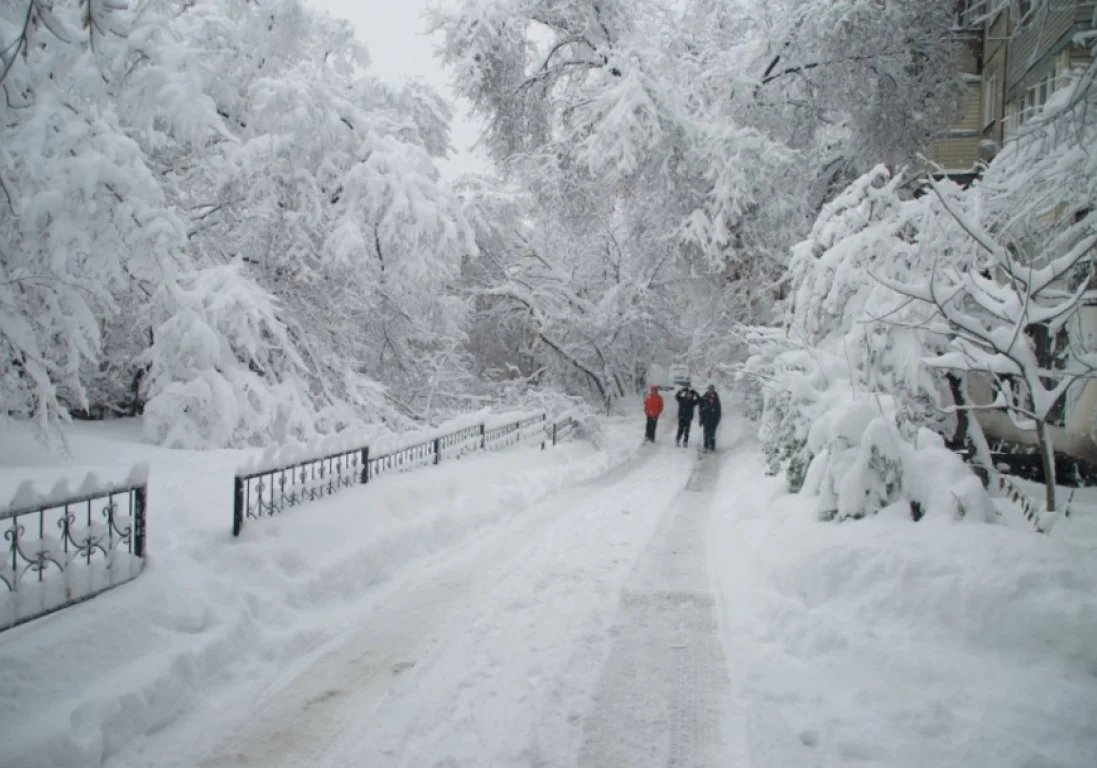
(1014, 55)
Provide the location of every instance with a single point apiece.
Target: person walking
(688, 399)
(709, 413)
(653, 409)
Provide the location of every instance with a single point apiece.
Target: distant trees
(711, 132)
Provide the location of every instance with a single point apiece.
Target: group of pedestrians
(706, 406)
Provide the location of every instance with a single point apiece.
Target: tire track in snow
(661, 696)
(324, 716)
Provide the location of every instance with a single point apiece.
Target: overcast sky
(398, 47)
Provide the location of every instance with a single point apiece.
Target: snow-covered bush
(790, 382)
(839, 341)
(862, 464)
(857, 464)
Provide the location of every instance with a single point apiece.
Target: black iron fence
(60, 552)
(267, 492)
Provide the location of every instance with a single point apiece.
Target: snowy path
(658, 703)
(493, 657)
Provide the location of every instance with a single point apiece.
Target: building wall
(958, 150)
(1036, 41)
(995, 55)
(1040, 52)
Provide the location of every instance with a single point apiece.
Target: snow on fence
(294, 475)
(999, 484)
(65, 547)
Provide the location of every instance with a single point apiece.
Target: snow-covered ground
(213, 613)
(600, 606)
(884, 642)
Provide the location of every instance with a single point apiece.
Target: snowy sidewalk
(490, 658)
(660, 698)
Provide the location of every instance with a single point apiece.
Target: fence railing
(269, 491)
(998, 483)
(64, 549)
(562, 430)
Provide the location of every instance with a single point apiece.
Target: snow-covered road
(493, 656)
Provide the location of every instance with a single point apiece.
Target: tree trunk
(963, 418)
(1047, 458)
(975, 433)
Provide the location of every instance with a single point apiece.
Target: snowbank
(210, 610)
(889, 642)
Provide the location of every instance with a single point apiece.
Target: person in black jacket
(688, 399)
(709, 412)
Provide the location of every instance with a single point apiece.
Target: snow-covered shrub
(792, 402)
(857, 464)
(863, 463)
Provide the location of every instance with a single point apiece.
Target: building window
(1033, 100)
(990, 100)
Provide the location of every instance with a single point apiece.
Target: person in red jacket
(653, 408)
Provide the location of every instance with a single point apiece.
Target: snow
(136, 659)
(28, 497)
(619, 604)
(893, 643)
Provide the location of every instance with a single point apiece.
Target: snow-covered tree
(228, 172)
(560, 285)
(84, 221)
(712, 130)
(1011, 313)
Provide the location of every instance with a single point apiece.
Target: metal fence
(559, 431)
(269, 492)
(62, 552)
